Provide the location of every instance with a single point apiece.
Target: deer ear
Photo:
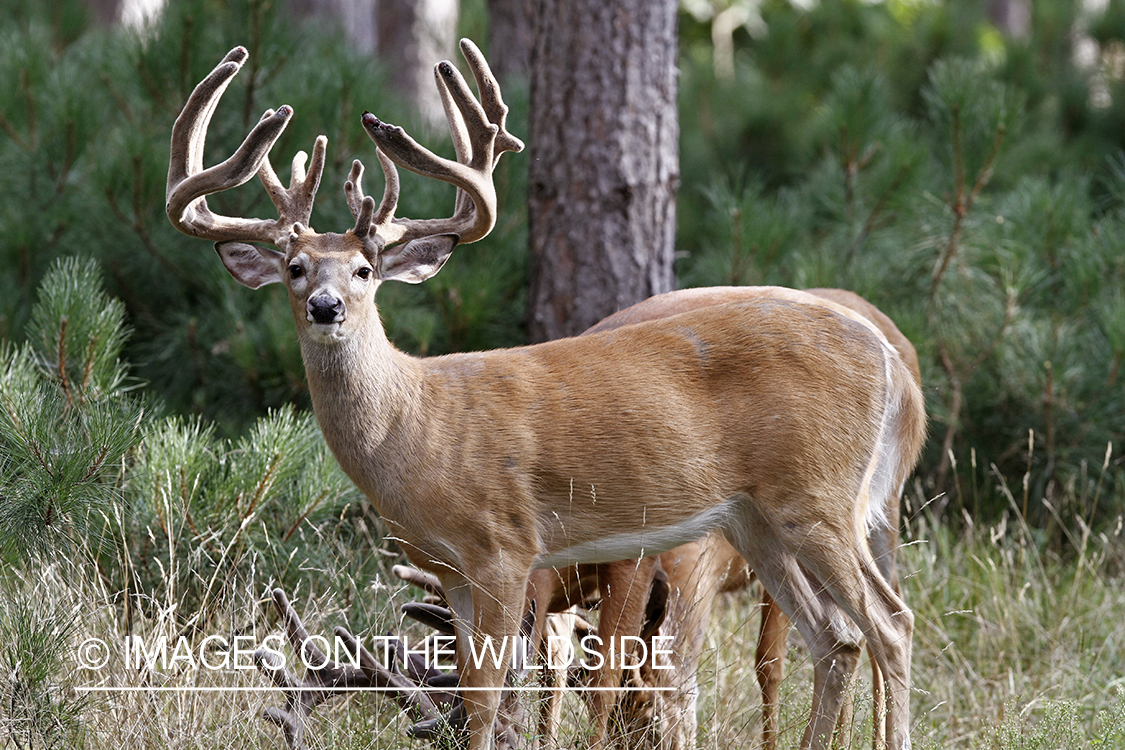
(418, 259)
(251, 265)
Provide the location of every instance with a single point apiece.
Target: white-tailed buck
(777, 422)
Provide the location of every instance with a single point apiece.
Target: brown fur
(699, 571)
(778, 422)
(657, 422)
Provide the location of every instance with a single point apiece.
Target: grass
(1011, 650)
(1014, 647)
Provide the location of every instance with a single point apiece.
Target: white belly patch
(646, 539)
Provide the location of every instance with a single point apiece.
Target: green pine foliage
(92, 467)
(39, 707)
(67, 419)
(908, 152)
(967, 184)
(86, 128)
(209, 518)
(108, 502)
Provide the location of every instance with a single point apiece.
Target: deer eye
(295, 271)
(364, 273)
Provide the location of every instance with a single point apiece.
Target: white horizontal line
(267, 689)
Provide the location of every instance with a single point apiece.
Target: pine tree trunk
(356, 19)
(511, 35)
(125, 12)
(409, 36)
(604, 162)
(413, 36)
(1013, 17)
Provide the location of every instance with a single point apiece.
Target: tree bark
(413, 36)
(131, 13)
(1013, 17)
(409, 36)
(356, 18)
(604, 163)
(511, 36)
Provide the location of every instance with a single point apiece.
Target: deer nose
(325, 309)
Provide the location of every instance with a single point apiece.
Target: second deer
(699, 571)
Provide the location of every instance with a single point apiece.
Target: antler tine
(196, 116)
(405, 692)
(474, 136)
(493, 106)
(302, 695)
(187, 207)
(428, 582)
(390, 189)
(295, 204)
(491, 101)
(295, 631)
(353, 188)
(479, 138)
(468, 117)
(458, 132)
(362, 207)
(407, 152)
(189, 182)
(460, 106)
(422, 691)
(431, 615)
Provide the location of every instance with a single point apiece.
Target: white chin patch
(325, 333)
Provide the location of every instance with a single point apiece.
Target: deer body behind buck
(769, 420)
(699, 571)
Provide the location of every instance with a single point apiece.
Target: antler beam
(480, 136)
(189, 182)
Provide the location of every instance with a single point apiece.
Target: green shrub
(88, 127)
(968, 184)
(954, 193)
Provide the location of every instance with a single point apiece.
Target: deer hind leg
(769, 665)
(541, 586)
(833, 640)
(891, 653)
(884, 549)
(624, 590)
(695, 576)
(556, 653)
(879, 704)
(689, 610)
(834, 644)
(854, 582)
(889, 627)
(888, 624)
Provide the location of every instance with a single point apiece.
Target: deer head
(332, 277)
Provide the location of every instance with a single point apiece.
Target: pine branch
(138, 227)
(61, 361)
(304, 514)
(963, 204)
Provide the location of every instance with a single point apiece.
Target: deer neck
(367, 397)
